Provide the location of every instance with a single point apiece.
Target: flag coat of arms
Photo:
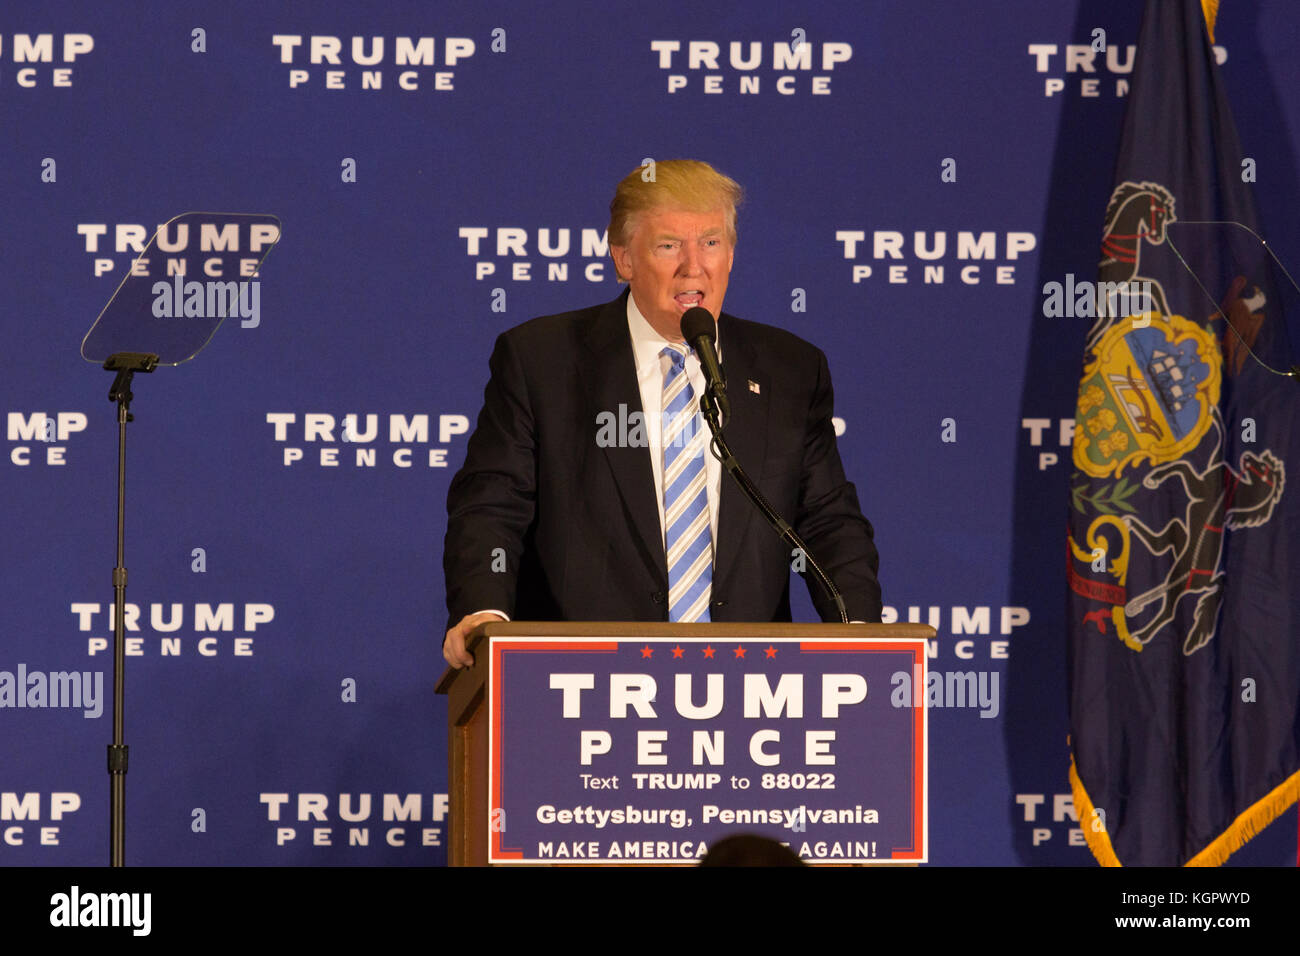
(1183, 592)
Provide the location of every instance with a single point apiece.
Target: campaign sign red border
(647, 750)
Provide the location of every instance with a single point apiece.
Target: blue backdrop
(915, 173)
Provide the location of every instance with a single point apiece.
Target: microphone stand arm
(709, 408)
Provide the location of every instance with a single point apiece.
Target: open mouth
(689, 299)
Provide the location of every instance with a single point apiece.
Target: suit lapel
(746, 433)
(609, 377)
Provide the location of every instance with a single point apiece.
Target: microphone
(700, 332)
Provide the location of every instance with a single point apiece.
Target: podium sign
(649, 749)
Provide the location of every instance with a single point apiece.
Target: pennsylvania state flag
(1184, 537)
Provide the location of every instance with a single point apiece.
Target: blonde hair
(671, 183)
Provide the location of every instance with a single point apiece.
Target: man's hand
(453, 646)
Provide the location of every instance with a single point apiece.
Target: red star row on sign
(739, 651)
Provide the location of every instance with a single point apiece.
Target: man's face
(674, 261)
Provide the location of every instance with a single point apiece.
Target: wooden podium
(468, 720)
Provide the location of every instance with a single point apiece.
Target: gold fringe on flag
(1247, 824)
(1097, 837)
(1211, 10)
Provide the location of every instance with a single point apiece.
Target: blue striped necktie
(687, 538)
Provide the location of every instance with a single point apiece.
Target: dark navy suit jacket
(577, 524)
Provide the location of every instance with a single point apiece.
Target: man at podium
(588, 492)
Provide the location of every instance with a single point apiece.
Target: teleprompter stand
(139, 330)
(125, 364)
